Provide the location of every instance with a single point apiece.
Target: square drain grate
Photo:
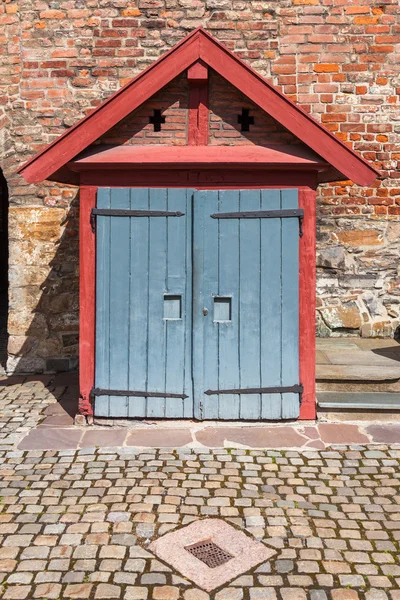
(209, 553)
(197, 551)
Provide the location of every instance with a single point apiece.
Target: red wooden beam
(307, 274)
(198, 105)
(198, 72)
(216, 157)
(205, 179)
(86, 299)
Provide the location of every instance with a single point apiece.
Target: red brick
(52, 14)
(326, 68)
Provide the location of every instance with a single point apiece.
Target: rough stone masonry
(338, 59)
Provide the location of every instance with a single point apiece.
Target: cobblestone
(333, 539)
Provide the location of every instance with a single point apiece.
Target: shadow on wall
(3, 270)
(392, 352)
(43, 322)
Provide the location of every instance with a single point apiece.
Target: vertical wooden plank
(157, 286)
(188, 403)
(87, 304)
(249, 305)
(119, 301)
(205, 284)
(307, 201)
(290, 304)
(103, 229)
(210, 283)
(228, 347)
(177, 274)
(139, 301)
(270, 306)
(198, 302)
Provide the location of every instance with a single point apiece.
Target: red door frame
(245, 179)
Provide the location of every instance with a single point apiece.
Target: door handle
(205, 312)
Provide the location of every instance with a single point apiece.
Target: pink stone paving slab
(61, 420)
(51, 438)
(160, 438)
(247, 552)
(316, 444)
(341, 433)
(387, 434)
(103, 438)
(311, 432)
(253, 437)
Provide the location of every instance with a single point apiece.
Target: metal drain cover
(209, 553)
(195, 549)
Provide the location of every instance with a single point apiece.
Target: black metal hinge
(293, 389)
(103, 392)
(120, 212)
(265, 214)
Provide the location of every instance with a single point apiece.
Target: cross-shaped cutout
(245, 120)
(157, 119)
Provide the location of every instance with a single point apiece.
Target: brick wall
(338, 60)
(226, 104)
(172, 102)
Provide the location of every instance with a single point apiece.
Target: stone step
(358, 378)
(358, 401)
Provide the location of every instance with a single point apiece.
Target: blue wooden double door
(197, 304)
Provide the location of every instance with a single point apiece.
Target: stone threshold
(188, 434)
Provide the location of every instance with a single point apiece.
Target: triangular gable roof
(199, 45)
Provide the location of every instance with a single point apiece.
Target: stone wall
(339, 60)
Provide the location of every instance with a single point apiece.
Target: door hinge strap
(103, 392)
(265, 214)
(120, 212)
(294, 389)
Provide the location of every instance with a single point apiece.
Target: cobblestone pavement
(37, 413)
(77, 524)
(26, 400)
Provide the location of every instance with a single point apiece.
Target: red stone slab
(60, 420)
(104, 438)
(316, 445)
(387, 434)
(253, 437)
(160, 438)
(341, 433)
(51, 438)
(311, 432)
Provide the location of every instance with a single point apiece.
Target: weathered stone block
(30, 252)
(20, 345)
(64, 322)
(24, 298)
(22, 322)
(359, 237)
(357, 281)
(342, 317)
(375, 306)
(35, 223)
(331, 258)
(49, 348)
(28, 275)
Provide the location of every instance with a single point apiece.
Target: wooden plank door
(143, 304)
(245, 306)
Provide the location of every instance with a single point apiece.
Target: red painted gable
(341, 162)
